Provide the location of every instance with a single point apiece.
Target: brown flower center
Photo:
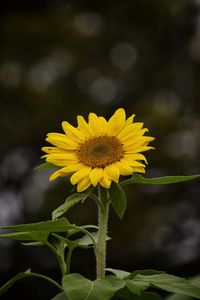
(98, 152)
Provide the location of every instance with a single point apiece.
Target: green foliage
(137, 178)
(60, 296)
(195, 281)
(167, 283)
(22, 275)
(126, 294)
(45, 166)
(36, 231)
(70, 202)
(86, 241)
(118, 273)
(147, 272)
(136, 287)
(77, 287)
(60, 225)
(58, 235)
(27, 236)
(118, 199)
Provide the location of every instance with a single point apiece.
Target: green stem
(102, 234)
(68, 260)
(60, 258)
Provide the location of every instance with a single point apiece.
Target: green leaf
(137, 178)
(60, 225)
(34, 244)
(147, 272)
(125, 294)
(27, 236)
(136, 287)
(70, 202)
(86, 240)
(22, 275)
(179, 297)
(195, 281)
(77, 287)
(150, 296)
(119, 273)
(170, 283)
(118, 199)
(117, 283)
(60, 296)
(45, 166)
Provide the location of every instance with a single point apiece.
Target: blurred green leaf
(86, 240)
(116, 282)
(60, 296)
(27, 236)
(45, 166)
(136, 287)
(119, 273)
(195, 281)
(77, 287)
(126, 294)
(146, 272)
(137, 178)
(22, 275)
(178, 297)
(118, 199)
(60, 225)
(70, 202)
(170, 283)
(150, 296)
(34, 244)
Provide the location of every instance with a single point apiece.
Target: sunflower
(98, 151)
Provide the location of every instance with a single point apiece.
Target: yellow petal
(133, 163)
(95, 124)
(72, 132)
(112, 172)
(138, 156)
(124, 169)
(61, 140)
(72, 168)
(136, 143)
(138, 170)
(131, 137)
(96, 175)
(105, 182)
(140, 149)
(83, 184)
(83, 126)
(116, 122)
(130, 120)
(80, 175)
(127, 130)
(138, 125)
(56, 174)
(62, 159)
(65, 171)
(103, 125)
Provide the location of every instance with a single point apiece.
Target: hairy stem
(102, 234)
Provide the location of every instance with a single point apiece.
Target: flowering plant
(96, 154)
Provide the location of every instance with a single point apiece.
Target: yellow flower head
(98, 151)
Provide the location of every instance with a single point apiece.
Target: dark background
(63, 58)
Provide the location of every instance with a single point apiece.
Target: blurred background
(63, 58)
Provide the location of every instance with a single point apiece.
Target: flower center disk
(100, 151)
